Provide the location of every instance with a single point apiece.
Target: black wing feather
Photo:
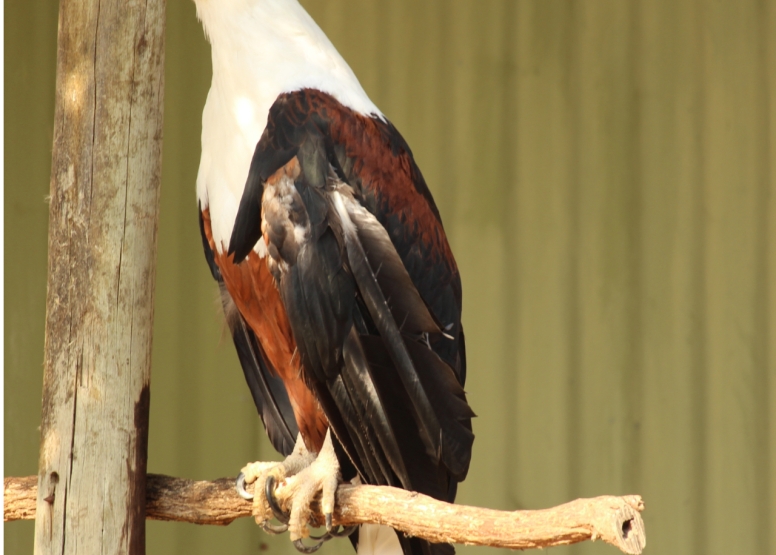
(268, 392)
(381, 315)
(375, 424)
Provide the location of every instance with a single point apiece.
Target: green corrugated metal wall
(607, 174)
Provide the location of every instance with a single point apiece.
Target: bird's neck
(262, 48)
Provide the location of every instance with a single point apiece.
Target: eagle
(337, 279)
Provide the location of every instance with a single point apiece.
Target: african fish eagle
(337, 279)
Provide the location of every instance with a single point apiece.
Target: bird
(337, 280)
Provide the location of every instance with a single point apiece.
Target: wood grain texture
(105, 177)
(615, 520)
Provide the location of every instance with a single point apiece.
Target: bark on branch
(615, 520)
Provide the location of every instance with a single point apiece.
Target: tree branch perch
(615, 520)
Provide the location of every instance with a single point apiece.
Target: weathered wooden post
(102, 249)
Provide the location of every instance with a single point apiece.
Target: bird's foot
(295, 482)
(298, 491)
(265, 475)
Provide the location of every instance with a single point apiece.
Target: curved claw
(339, 531)
(240, 485)
(342, 532)
(269, 493)
(272, 529)
(302, 548)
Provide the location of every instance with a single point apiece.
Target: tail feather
(374, 539)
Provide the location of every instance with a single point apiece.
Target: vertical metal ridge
(574, 416)
(507, 161)
(763, 464)
(698, 403)
(633, 380)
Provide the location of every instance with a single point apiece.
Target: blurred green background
(606, 172)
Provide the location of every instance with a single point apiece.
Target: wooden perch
(615, 520)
